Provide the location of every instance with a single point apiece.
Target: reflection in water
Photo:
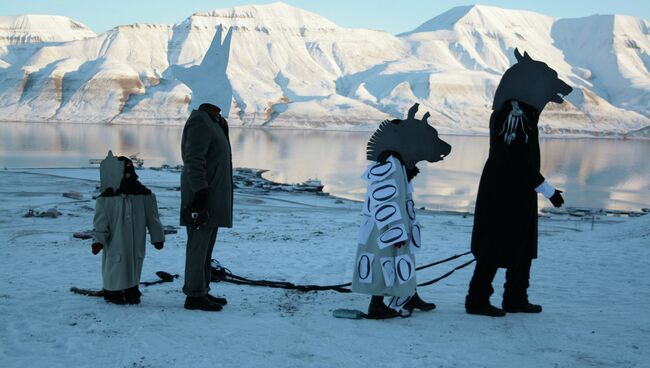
(600, 173)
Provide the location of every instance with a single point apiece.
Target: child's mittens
(96, 248)
(159, 245)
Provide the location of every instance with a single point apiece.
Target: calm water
(599, 173)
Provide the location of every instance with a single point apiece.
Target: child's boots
(114, 296)
(132, 295)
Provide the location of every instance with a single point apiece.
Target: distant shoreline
(365, 128)
(242, 175)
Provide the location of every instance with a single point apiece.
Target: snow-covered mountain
(32, 29)
(276, 65)
(21, 36)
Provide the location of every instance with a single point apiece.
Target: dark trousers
(198, 256)
(515, 288)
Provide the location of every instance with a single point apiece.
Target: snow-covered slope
(282, 66)
(612, 54)
(25, 29)
(20, 35)
(472, 46)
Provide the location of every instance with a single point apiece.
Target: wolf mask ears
(531, 82)
(520, 58)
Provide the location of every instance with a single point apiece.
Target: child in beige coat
(123, 213)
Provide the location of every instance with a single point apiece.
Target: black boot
(480, 290)
(417, 303)
(378, 310)
(114, 296)
(523, 307)
(215, 299)
(483, 309)
(132, 295)
(201, 303)
(515, 290)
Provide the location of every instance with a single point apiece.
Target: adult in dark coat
(206, 199)
(505, 220)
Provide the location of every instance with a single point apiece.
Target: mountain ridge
(284, 66)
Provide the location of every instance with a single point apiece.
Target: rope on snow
(220, 273)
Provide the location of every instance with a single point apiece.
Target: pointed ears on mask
(520, 58)
(111, 172)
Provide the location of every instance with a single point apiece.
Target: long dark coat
(207, 161)
(505, 220)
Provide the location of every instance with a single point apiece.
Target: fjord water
(595, 173)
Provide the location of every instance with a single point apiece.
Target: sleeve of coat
(101, 229)
(197, 143)
(153, 220)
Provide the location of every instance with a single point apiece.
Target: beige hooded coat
(120, 225)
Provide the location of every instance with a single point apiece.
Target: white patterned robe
(388, 218)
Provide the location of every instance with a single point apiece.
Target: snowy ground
(592, 279)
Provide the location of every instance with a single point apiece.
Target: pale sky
(389, 15)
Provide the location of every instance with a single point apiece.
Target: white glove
(546, 189)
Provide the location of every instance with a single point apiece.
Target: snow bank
(592, 280)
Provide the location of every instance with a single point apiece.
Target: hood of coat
(111, 172)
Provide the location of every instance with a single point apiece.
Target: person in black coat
(206, 200)
(505, 220)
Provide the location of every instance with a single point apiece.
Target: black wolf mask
(531, 82)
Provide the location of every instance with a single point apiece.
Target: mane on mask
(380, 140)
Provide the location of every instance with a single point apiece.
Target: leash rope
(220, 273)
